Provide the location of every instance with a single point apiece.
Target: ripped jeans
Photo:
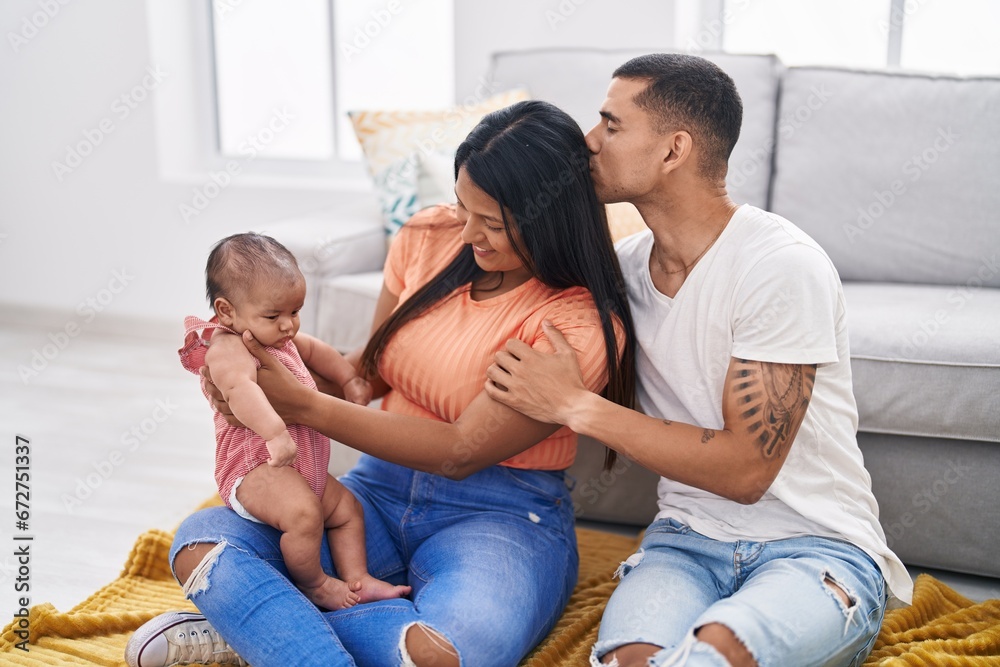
(771, 595)
(492, 560)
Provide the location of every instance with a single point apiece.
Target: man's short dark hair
(690, 93)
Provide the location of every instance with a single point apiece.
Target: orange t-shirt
(436, 364)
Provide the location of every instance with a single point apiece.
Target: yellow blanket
(941, 628)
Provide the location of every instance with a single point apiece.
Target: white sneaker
(179, 638)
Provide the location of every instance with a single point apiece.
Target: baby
(267, 472)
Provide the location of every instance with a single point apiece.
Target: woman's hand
(284, 392)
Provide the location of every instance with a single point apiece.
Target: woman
(464, 499)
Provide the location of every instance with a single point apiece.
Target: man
(767, 547)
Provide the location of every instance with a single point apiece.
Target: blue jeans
(771, 595)
(492, 561)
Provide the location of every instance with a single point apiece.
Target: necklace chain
(687, 266)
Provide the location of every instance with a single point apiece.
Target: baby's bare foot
(332, 594)
(370, 589)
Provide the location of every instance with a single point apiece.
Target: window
(272, 79)
(286, 74)
(391, 55)
(953, 37)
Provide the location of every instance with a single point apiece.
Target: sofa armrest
(327, 244)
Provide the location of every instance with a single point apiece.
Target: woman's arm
(485, 434)
(386, 304)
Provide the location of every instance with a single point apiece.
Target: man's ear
(225, 310)
(678, 147)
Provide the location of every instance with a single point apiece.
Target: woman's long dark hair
(532, 159)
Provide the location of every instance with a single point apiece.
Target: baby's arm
(326, 361)
(235, 374)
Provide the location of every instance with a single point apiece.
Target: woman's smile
(482, 252)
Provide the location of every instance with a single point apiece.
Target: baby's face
(271, 312)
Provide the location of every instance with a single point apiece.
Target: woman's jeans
(774, 596)
(492, 561)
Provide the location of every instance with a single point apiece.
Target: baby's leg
(281, 498)
(345, 523)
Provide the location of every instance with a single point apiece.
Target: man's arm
(763, 407)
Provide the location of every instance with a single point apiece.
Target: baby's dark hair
(239, 262)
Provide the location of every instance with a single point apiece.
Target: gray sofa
(897, 176)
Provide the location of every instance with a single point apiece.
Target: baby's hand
(282, 450)
(358, 390)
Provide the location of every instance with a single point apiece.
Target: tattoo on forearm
(772, 400)
(707, 435)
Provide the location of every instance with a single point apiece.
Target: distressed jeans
(492, 561)
(772, 595)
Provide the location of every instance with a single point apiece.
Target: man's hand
(542, 386)
(216, 398)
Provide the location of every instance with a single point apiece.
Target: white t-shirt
(764, 291)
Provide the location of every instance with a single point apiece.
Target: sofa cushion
(329, 242)
(347, 308)
(626, 494)
(393, 140)
(894, 175)
(576, 81)
(926, 359)
(939, 501)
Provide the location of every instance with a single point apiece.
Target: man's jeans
(773, 596)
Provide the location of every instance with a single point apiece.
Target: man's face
(626, 152)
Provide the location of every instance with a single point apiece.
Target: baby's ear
(225, 310)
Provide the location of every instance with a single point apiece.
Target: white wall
(485, 26)
(63, 241)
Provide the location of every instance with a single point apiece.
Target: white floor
(95, 486)
(121, 441)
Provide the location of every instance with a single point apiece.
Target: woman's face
(485, 231)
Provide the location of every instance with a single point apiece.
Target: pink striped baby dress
(239, 450)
